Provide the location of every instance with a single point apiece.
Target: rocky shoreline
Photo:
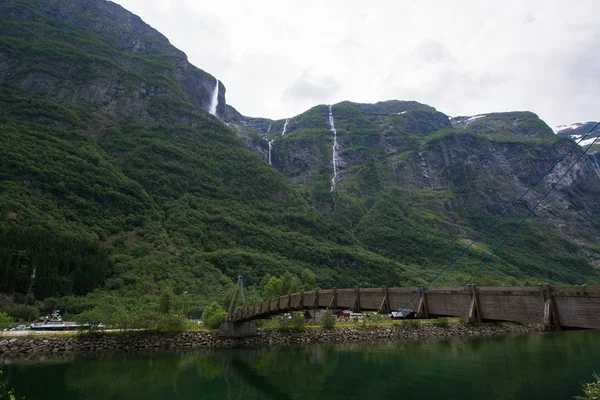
(117, 342)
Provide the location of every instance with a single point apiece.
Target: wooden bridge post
(474, 309)
(551, 321)
(335, 298)
(315, 304)
(385, 304)
(244, 296)
(300, 303)
(233, 300)
(333, 302)
(356, 304)
(422, 310)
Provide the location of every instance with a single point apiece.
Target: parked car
(403, 313)
(19, 328)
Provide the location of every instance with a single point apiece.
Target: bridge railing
(576, 306)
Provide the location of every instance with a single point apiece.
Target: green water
(541, 366)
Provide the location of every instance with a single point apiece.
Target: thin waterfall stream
(215, 100)
(285, 127)
(335, 150)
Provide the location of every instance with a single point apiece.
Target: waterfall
(335, 149)
(32, 280)
(270, 148)
(285, 127)
(269, 129)
(215, 100)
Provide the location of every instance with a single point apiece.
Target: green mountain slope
(117, 184)
(416, 186)
(113, 178)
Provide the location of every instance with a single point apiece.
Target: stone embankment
(146, 341)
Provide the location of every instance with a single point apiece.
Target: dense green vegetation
(126, 211)
(122, 199)
(424, 220)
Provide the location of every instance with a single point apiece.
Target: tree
(289, 284)
(298, 321)
(23, 312)
(273, 287)
(5, 320)
(92, 318)
(328, 320)
(165, 302)
(309, 281)
(214, 315)
(283, 285)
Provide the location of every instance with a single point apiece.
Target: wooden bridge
(554, 307)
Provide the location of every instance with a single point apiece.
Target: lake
(548, 366)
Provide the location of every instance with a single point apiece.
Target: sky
(278, 58)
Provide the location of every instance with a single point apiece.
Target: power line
(501, 215)
(529, 213)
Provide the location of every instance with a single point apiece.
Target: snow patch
(473, 118)
(560, 128)
(586, 142)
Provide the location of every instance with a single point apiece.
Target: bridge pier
(237, 329)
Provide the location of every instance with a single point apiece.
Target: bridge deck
(577, 307)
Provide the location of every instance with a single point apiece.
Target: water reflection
(537, 366)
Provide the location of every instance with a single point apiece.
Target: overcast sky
(278, 58)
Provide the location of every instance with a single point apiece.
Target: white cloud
(464, 57)
(308, 90)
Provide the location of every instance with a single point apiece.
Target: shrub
(5, 320)
(5, 392)
(412, 323)
(328, 321)
(298, 321)
(91, 319)
(214, 316)
(293, 321)
(23, 312)
(170, 323)
(591, 390)
(442, 322)
(375, 318)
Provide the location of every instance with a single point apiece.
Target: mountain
(577, 130)
(586, 135)
(416, 185)
(118, 183)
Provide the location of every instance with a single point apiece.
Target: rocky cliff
(128, 69)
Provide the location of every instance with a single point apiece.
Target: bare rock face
(133, 71)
